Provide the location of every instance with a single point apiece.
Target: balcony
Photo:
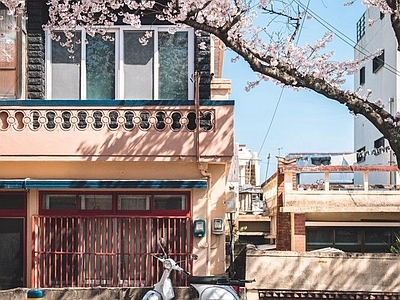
(325, 197)
(159, 130)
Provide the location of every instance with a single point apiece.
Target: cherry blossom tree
(272, 55)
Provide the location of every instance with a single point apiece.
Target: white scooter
(208, 287)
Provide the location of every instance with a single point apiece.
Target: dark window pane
(12, 253)
(12, 201)
(377, 240)
(65, 202)
(322, 237)
(170, 202)
(362, 75)
(378, 62)
(348, 240)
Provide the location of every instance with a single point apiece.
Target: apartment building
(249, 216)
(380, 76)
(109, 151)
(331, 212)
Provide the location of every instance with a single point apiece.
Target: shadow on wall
(97, 293)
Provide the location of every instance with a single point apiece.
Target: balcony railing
(145, 130)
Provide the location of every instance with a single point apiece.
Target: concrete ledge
(98, 293)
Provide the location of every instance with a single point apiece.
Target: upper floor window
(362, 75)
(379, 143)
(9, 54)
(378, 62)
(118, 66)
(361, 155)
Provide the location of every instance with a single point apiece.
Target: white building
(379, 76)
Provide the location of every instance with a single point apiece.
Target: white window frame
(119, 54)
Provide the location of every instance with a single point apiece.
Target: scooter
(209, 287)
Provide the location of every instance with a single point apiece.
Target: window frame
(362, 243)
(379, 143)
(14, 212)
(151, 211)
(360, 158)
(16, 64)
(378, 62)
(362, 75)
(119, 60)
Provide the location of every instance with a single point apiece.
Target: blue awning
(101, 184)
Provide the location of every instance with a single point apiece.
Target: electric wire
(280, 95)
(341, 36)
(344, 37)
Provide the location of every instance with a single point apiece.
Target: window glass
(317, 238)
(96, 202)
(379, 143)
(170, 202)
(377, 239)
(12, 201)
(173, 65)
(8, 54)
(362, 75)
(378, 62)
(100, 67)
(138, 66)
(64, 202)
(348, 239)
(66, 68)
(156, 69)
(361, 154)
(133, 202)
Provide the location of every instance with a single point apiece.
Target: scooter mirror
(195, 256)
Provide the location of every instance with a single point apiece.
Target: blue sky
(304, 121)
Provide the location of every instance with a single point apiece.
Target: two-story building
(328, 212)
(107, 151)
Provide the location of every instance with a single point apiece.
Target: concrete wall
(311, 271)
(94, 293)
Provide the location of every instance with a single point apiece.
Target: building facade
(250, 219)
(109, 151)
(379, 76)
(328, 213)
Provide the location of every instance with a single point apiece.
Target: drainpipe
(392, 176)
(204, 171)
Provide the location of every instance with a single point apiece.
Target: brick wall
(300, 224)
(283, 233)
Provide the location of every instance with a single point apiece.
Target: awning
(101, 184)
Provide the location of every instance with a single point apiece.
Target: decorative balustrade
(112, 119)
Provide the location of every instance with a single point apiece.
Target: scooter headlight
(167, 264)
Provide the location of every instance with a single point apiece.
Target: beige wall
(206, 203)
(311, 271)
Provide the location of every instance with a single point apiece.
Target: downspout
(204, 171)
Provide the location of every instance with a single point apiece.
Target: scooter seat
(222, 279)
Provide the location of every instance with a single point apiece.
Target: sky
(273, 121)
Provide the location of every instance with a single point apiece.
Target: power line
(280, 95)
(344, 37)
